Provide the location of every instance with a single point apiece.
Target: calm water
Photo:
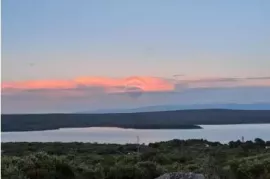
(222, 133)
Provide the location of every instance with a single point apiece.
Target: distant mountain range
(254, 106)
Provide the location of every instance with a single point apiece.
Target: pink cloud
(99, 83)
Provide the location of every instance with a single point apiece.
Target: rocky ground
(179, 175)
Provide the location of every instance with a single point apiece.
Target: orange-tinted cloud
(108, 84)
(41, 84)
(116, 85)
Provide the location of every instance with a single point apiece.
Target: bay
(221, 133)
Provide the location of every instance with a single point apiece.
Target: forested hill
(147, 120)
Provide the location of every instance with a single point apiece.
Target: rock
(179, 175)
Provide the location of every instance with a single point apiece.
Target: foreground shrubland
(235, 160)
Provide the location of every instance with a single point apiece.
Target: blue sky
(68, 39)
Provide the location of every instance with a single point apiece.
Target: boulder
(179, 175)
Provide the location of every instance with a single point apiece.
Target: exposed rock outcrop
(179, 175)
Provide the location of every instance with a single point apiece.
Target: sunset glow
(70, 56)
(144, 83)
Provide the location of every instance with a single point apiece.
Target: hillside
(183, 119)
(155, 108)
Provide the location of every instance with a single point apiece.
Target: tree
(260, 142)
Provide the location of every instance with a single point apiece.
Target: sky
(66, 55)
